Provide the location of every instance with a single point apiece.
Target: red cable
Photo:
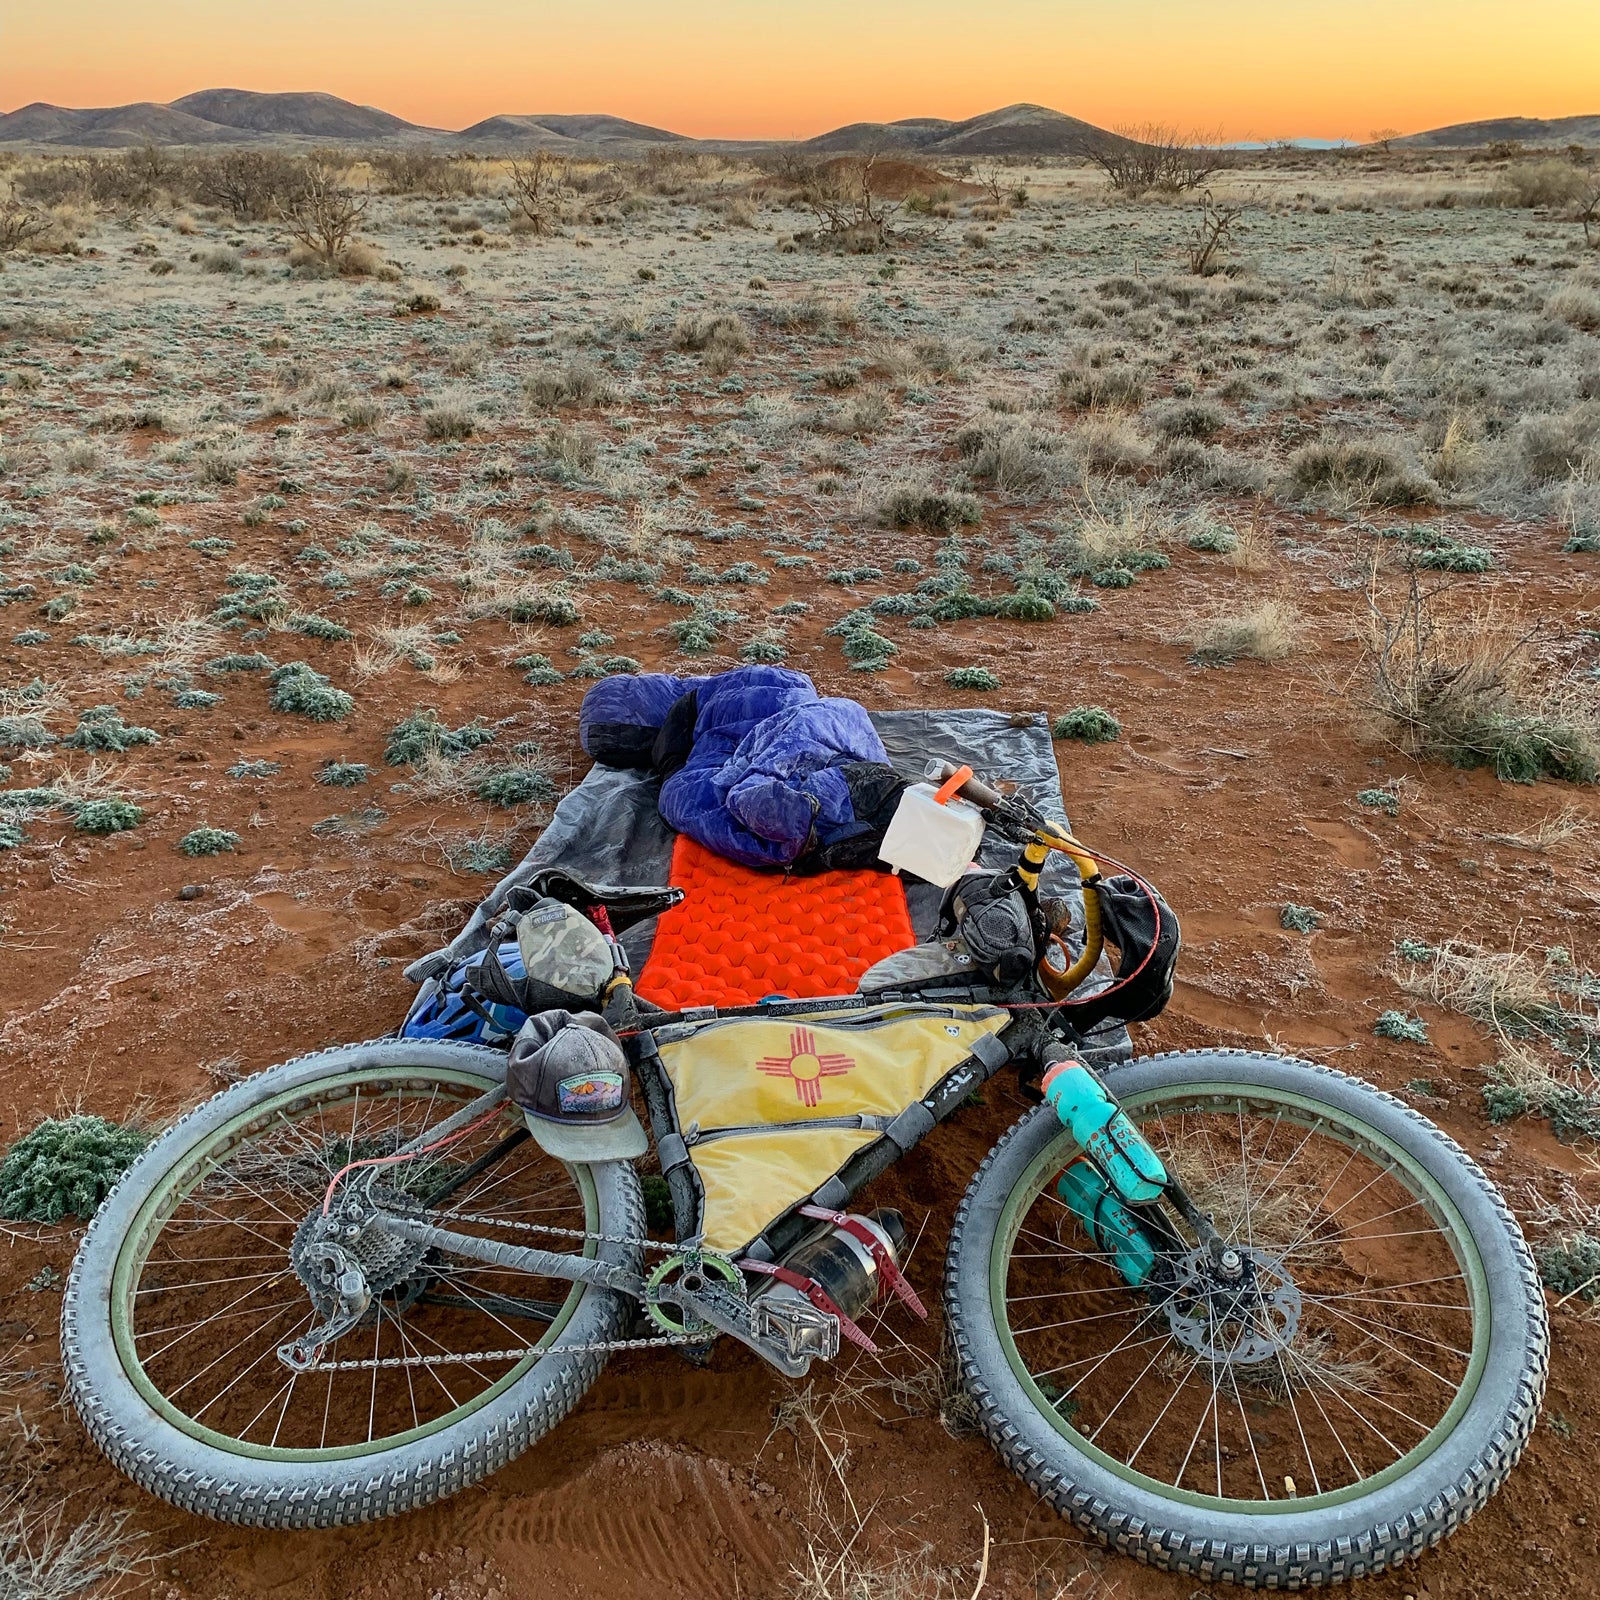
(410, 1155)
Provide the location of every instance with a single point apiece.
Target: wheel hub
(1239, 1317)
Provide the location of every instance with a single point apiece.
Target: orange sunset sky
(766, 68)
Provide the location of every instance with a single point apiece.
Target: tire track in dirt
(648, 1518)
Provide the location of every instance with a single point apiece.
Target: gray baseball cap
(571, 1077)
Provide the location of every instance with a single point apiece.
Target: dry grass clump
(1512, 991)
(1359, 471)
(721, 335)
(1454, 681)
(1265, 631)
(1578, 304)
(577, 383)
(1018, 458)
(1554, 448)
(1538, 183)
(58, 1554)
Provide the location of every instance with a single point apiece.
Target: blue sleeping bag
(767, 772)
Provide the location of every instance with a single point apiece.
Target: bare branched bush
(1210, 241)
(1153, 156)
(539, 186)
(251, 184)
(424, 172)
(1588, 207)
(842, 195)
(20, 224)
(324, 214)
(1455, 682)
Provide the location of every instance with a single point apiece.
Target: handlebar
(1039, 838)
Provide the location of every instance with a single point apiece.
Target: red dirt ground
(1232, 788)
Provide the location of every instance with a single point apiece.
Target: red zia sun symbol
(806, 1066)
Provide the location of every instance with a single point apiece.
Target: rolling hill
(1019, 130)
(1518, 130)
(555, 131)
(321, 116)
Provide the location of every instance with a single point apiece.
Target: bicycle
(1235, 1314)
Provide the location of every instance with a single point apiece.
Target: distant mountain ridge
(247, 116)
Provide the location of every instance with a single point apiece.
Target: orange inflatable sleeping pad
(741, 935)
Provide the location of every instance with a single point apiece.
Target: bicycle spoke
(1318, 1329)
(216, 1292)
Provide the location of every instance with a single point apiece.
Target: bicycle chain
(474, 1357)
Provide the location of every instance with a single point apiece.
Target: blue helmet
(441, 1012)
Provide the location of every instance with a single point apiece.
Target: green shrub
(343, 774)
(12, 836)
(26, 732)
(300, 688)
(1300, 919)
(1215, 539)
(553, 606)
(658, 1211)
(205, 841)
(1571, 1265)
(31, 799)
(66, 1167)
(699, 633)
(1089, 724)
(1380, 800)
(255, 769)
(1454, 558)
(415, 738)
(236, 662)
(765, 650)
(971, 678)
(315, 627)
(1398, 1026)
(102, 728)
(516, 786)
(107, 816)
(196, 700)
(539, 671)
(1026, 605)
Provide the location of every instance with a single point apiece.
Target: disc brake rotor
(1240, 1321)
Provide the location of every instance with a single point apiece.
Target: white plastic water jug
(932, 841)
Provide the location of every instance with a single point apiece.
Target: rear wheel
(1354, 1395)
(186, 1285)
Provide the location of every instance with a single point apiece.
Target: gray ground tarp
(608, 830)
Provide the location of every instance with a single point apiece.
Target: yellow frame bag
(770, 1108)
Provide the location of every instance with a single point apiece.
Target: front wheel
(1360, 1392)
(188, 1282)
